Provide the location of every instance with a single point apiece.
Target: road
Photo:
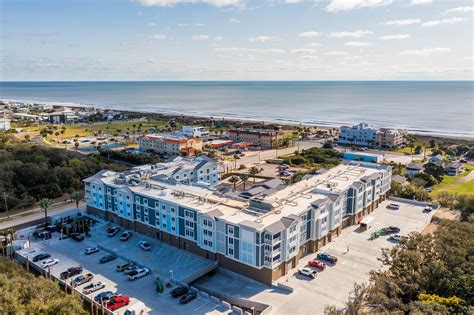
(258, 157)
(35, 216)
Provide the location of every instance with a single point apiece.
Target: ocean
(424, 107)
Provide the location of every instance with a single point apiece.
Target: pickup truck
(82, 279)
(70, 272)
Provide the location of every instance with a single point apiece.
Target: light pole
(5, 196)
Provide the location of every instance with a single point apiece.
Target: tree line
(29, 173)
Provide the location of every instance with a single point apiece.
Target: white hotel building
(262, 238)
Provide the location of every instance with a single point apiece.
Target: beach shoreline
(241, 118)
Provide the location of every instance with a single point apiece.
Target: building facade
(173, 145)
(191, 131)
(4, 124)
(201, 171)
(267, 139)
(365, 135)
(262, 238)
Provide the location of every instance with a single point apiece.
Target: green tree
(244, 178)
(45, 204)
(234, 180)
(23, 293)
(253, 171)
(77, 197)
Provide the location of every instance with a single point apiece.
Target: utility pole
(5, 196)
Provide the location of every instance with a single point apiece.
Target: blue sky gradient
(236, 40)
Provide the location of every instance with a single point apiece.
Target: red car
(118, 302)
(317, 264)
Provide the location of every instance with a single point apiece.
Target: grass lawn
(112, 128)
(457, 184)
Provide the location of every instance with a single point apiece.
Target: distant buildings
(453, 168)
(169, 144)
(192, 131)
(365, 135)
(4, 124)
(413, 169)
(266, 139)
(365, 157)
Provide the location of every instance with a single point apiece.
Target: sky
(55, 40)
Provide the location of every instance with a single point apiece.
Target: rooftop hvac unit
(162, 192)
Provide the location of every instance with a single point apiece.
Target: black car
(185, 299)
(179, 291)
(107, 258)
(77, 237)
(40, 257)
(70, 272)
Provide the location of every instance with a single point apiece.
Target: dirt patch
(441, 214)
(468, 177)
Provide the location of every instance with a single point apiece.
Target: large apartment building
(261, 238)
(366, 135)
(173, 145)
(266, 139)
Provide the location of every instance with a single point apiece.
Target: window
(139, 217)
(207, 222)
(157, 204)
(293, 228)
(145, 211)
(231, 241)
(230, 229)
(189, 233)
(145, 201)
(173, 210)
(231, 251)
(267, 259)
(324, 220)
(163, 207)
(146, 219)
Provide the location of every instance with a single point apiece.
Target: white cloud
(293, 1)
(233, 20)
(218, 38)
(309, 57)
(312, 45)
(355, 34)
(403, 22)
(252, 50)
(396, 36)
(262, 39)
(310, 34)
(345, 5)
(453, 20)
(459, 10)
(189, 24)
(158, 36)
(170, 3)
(151, 24)
(350, 58)
(304, 51)
(358, 44)
(336, 53)
(424, 52)
(200, 37)
(418, 2)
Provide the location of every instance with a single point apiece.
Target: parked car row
(317, 263)
(184, 295)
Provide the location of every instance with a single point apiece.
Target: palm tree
(244, 178)
(254, 171)
(45, 204)
(236, 157)
(77, 197)
(234, 180)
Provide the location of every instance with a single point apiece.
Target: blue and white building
(263, 237)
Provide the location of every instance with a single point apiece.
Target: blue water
(437, 107)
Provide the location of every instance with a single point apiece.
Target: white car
(95, 286)
(91, 250)
(307, 272)
(138, 273)
(397, 237)
(144, 245)
(125, 236)
(49, 262)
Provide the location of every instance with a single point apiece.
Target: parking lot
(161, 259)
(357, 256)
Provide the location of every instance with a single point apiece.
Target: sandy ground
(442, 213)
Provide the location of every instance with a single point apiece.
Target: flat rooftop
(289, 201)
